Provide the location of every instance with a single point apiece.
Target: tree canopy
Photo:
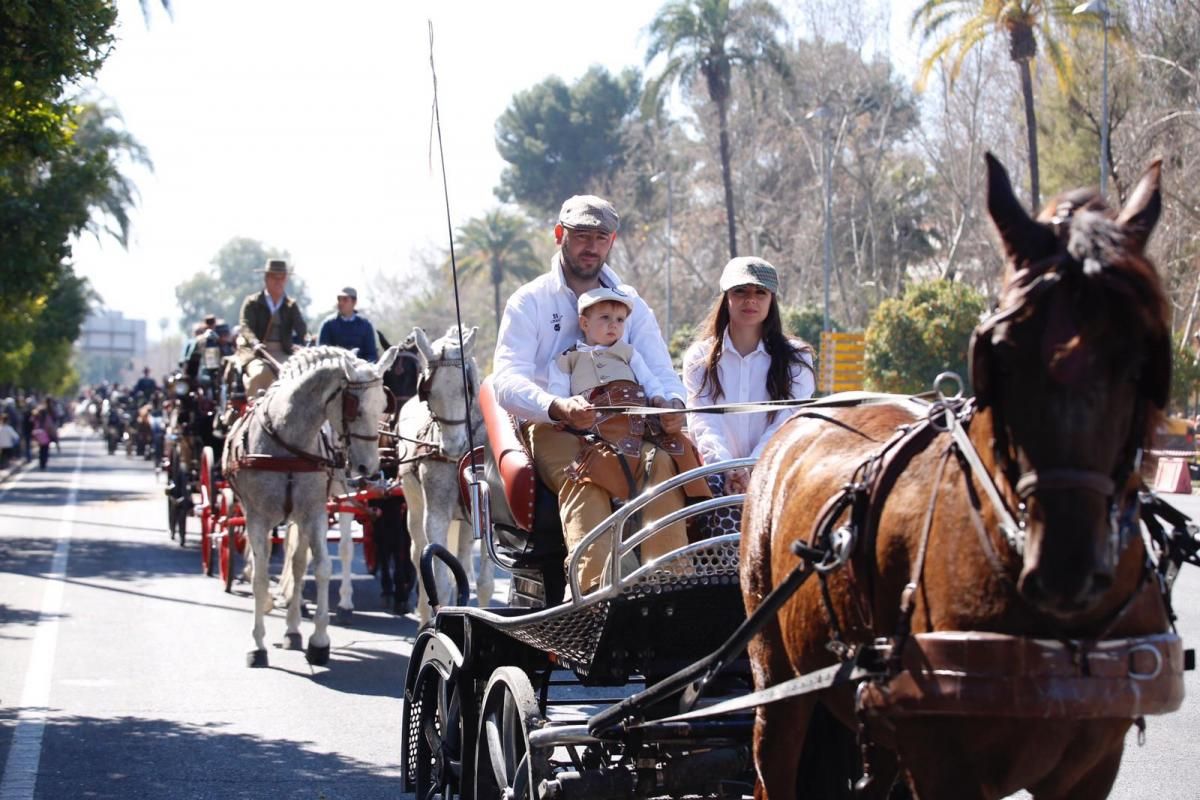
(235, 273)
(562, 140)
(60, 174)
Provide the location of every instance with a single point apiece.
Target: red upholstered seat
(513, 460)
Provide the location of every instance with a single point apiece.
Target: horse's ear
(1141, 211)
(423, 345)
(468, 339)
(386, 361)
(1024, 239)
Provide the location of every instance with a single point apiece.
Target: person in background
(271, 319)
(45, 431)
(9, 440)
(348, 329)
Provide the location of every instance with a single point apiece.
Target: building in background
(111, 348)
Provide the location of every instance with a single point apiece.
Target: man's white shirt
(541, 322)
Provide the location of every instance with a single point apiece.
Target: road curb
(10, 471)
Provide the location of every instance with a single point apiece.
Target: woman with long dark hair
(743, 355)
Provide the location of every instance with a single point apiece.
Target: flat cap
(348, 292)
(589, 211)
(604, 295)
(749, 271)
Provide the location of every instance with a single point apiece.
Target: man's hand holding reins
(575, 411)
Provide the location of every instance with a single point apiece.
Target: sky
(306, 125)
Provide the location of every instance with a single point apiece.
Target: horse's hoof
(343, 617)
(317, 656)
(256, 658)
(293, 641)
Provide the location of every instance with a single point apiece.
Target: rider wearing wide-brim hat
(270, 320)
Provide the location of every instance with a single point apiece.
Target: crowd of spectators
(27, 420)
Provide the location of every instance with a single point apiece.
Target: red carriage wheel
(206, 476)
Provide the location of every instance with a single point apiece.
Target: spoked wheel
(505, 767)
(443, 738)
(231, 544)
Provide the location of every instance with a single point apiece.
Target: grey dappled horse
(282, 467)
(432, 432)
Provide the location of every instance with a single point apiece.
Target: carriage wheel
(206, 476)
(231, 544)
(505, 767)
(443, 736)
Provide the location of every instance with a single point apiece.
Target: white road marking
(25, 753)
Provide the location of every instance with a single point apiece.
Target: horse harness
(960, 673)
(429, 448)
(330, 458)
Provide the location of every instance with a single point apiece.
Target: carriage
(535, 700)
(195, 404)
(978, 588)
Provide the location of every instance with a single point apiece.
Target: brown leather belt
(971, 673)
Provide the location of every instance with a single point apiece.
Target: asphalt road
(122, 667)
(128, 671)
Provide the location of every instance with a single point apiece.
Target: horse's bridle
(1030, 285)
(423, 389)
(351, 402)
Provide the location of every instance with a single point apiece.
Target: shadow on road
(128, 757)
(22, 616)
(94, 558)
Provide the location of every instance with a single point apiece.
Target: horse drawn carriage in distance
(204, 409)
(954, 597)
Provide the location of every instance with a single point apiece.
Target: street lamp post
(822, 114)
(1100, 8)
(670, 241)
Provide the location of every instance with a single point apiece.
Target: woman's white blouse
(720, 437)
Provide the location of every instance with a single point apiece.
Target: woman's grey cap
(589, 211)
(749, 271)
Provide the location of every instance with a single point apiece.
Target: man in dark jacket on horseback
(270, 321)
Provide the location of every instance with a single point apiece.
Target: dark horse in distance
(1002, 553)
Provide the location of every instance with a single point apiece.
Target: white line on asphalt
(21, 767)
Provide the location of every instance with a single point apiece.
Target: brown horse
(1070, 374)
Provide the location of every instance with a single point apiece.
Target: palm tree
(710, 38)
(498, 245)
(1022, 21)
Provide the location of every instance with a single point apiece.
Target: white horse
(282, 468)
(433, 434)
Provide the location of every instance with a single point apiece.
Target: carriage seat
(526, 526)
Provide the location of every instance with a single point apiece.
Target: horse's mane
(313, 359)
(1098, 245)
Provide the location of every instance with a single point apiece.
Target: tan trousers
(584, 505)
(258, 373)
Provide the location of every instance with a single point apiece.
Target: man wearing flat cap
(272, 321)
(540, 322)
(348, 329)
